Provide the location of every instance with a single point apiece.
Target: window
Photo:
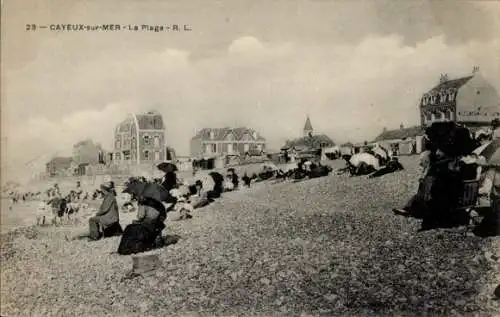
(214, 148)
(117, 156)
(246, 147)
(147, 140)
(212, 135)
(438, 115)
(157, 141)
(230, 137)
(146, 155)
(447, 115)
(126, 155)
(118, 143)
(157, 156)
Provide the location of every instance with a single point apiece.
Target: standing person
(108, 217)
(78, 190)
(495, 126)
(42, 211)
(234, 178)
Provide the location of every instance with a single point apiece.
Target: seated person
(392, 166)
(152, 214)
(234, 178)
(184, 209)
(416, 205)
(144, 234)
(107, 220)
(319, 171)
(228, 184)
(362, 169)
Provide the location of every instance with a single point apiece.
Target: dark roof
(308, 125)
(61, 161)
(150, 121)
(314, 141)
(401, 133)
(221, 133)
(454, 83)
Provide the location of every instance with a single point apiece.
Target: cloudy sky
(353, 66)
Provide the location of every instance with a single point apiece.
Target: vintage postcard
(250, 158)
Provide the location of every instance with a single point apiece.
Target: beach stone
(145, 263)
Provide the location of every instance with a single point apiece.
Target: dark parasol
(147, 190)
(452, 139)
(167, 167)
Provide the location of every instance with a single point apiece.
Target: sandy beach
(321, 247)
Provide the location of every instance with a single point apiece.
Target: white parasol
(289, 166)
(367, 158)
(380, 151)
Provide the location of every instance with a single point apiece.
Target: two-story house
(58, 166)
(469, 100)
(140, 139)
(227, 141)
(87, 152)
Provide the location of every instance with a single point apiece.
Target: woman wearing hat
(107, 220)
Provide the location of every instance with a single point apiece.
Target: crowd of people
(154, 198)
(455, 176)
(449, 162)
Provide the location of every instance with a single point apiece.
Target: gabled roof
(453, 84)
(221, 133)
(308, 125)
(401, 133)
(150, 121)
(61, 161)
(311, 142)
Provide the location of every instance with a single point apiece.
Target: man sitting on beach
(107, 220)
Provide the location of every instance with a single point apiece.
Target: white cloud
(245, 44)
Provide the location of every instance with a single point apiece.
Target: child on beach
(42, 212)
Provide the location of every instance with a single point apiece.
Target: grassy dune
(322, 247)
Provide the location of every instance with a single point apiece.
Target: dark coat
(170, 181)
(108, 212)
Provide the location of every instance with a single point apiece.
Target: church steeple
(308, 129)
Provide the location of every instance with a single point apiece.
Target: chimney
(475, 69)
(401, 126)
(443, 78)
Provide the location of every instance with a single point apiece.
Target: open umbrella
(147, 190)
(167, 167)
(490, 151)
(367, 158)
